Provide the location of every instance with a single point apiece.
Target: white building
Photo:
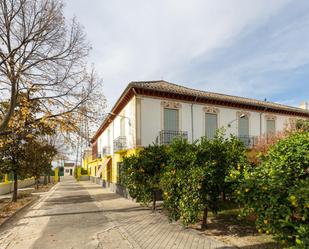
(157, 111)
(69, 169)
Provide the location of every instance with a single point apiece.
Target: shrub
(197, 175)
(277, 191)
(302, 125)
(142, 172)
(176, 179)
(84, 172)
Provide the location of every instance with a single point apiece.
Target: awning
(102, 166)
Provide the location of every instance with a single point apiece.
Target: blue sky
(257, 49)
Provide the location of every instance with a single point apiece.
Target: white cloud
(145, 40)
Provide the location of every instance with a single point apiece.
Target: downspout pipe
(261, 113)
(192, 123)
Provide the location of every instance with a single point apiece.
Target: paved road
(83, 215)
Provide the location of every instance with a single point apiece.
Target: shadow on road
(65, 213)
(69, 199)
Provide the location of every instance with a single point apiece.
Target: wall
(152, 119)
(6, 188)
(105, 140)
(68, 173)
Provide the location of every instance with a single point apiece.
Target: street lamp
(241, 116)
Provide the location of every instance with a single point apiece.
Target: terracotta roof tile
(164, 86)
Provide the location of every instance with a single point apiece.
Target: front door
(71, 172)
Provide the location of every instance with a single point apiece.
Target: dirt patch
(43, 188)
(9, 208)
(241, 233)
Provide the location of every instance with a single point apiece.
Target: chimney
(304, 105)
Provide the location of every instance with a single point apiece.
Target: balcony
(166, 137)
(106, 151)
(120, 143)
(249, 141)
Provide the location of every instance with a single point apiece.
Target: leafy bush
(277, 191)
(142, 172)
(302, 125)
(176, 179)
(84, 172)
(198, 174)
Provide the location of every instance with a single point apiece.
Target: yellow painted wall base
(93, 166)
(56, 177)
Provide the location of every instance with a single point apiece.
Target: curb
(18, 211)
(32, 202)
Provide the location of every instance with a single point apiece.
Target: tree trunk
(223, 195)
(205, 215)
(154, 200)
(37, 182)
(48, 178)
(45, 179)
(14, 198)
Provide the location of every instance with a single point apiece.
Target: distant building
(69, 169)
(157, 111)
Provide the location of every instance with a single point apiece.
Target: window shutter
(270, 126)
(243, 127)
(171, 119)
(122, 127)
(211, 125)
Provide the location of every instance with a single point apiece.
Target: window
(67, 171)
(171, 119)
(243, 127)
(211, 125)
(243, 130)
(122, 127)
(270, 127)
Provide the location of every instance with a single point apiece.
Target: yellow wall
(86, 162)
(116, 158)
(93, 166)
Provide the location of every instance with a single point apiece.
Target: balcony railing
(249, 141)
(120, 143)
(106, 151)
(166, 137)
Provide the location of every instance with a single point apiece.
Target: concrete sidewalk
(84, 215)
(143, 229)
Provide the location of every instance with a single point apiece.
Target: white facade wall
(113, 130)
(151, 122)
(152, 119)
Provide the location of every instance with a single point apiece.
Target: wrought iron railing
(106, 151)
(166, 137)
(249, 141)
(120, 143)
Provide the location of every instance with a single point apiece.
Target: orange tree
(176, 179)
(198, 174)
(141, 173)
(277, 191)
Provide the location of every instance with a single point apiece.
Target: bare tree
(45, 55)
